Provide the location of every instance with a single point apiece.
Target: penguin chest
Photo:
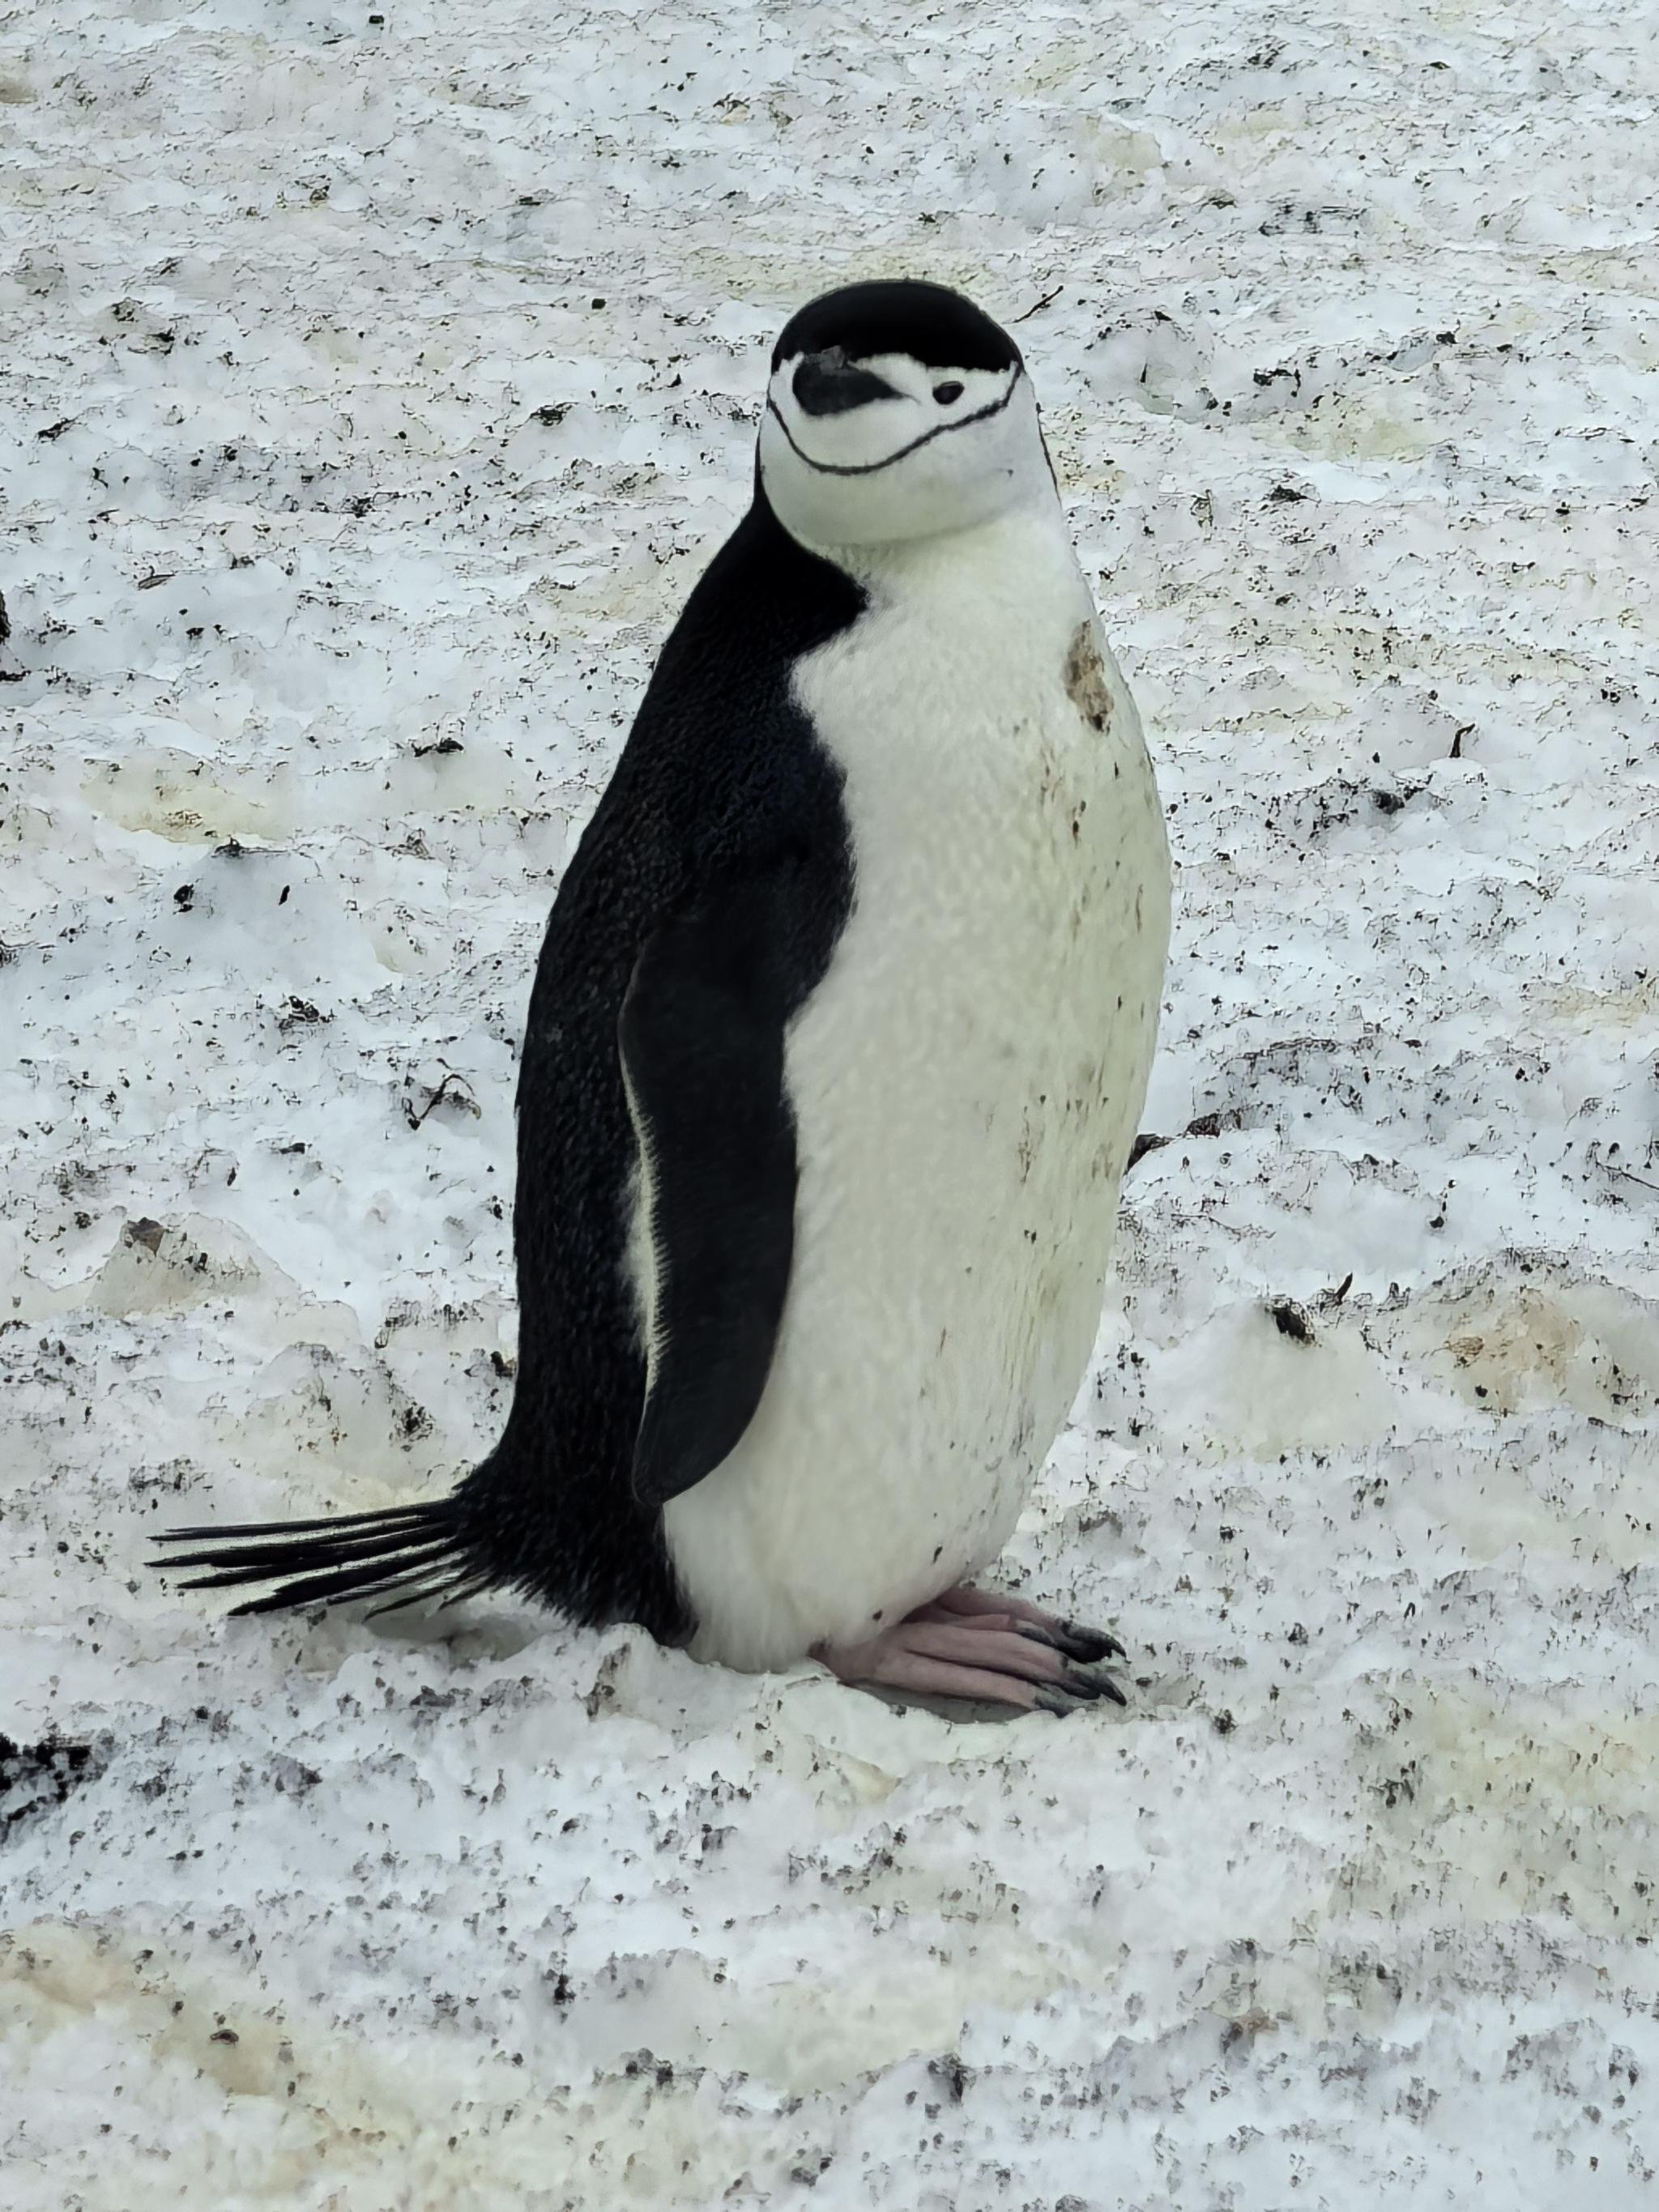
(965, 1081)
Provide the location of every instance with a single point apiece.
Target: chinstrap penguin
(837, 1045)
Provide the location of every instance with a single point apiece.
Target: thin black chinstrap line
(869, 468)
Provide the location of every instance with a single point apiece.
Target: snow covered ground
(374, 381)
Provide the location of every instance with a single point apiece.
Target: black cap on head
(929, 322)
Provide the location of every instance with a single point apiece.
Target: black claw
(1081, 1686)
(1092, 1681)
(1076, 1693)
(1086, 1644)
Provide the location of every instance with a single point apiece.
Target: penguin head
(897, 411)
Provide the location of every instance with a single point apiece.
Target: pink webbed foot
(998, 1651)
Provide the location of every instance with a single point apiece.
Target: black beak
(827, 384)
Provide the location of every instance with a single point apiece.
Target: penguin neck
(1028, 540)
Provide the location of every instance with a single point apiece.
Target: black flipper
(418, 1550)
(702, 1037)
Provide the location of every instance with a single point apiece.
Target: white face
(887, 448)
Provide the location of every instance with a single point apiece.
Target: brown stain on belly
(1085, 679)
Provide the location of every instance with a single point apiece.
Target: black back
(720, 771)
(701, 907)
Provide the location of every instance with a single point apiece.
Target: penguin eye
(944, 393)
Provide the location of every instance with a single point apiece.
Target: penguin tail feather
(419, 1553)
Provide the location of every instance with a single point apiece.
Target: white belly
(967, 1080)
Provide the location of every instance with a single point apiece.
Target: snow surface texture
(374, 384)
